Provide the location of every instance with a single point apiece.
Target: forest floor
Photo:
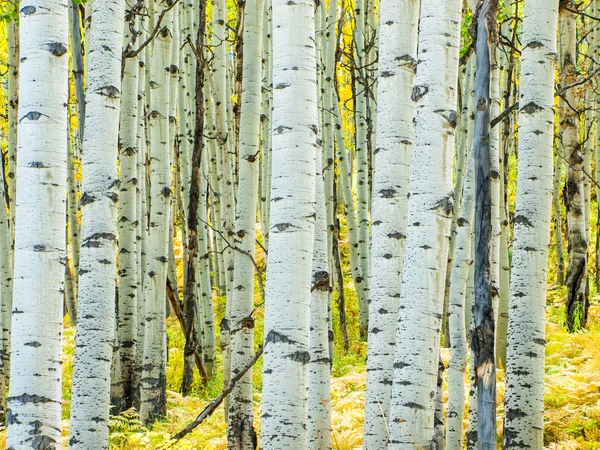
(572, 418)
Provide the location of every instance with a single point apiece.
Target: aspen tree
(361, 94)
(429, 215)
(34, 402)
(319, 384)
(240, 429)
(524, 398)
(127, 318)
(576, 277)
(287, 309)
(483, 332)
(153, 378)
(456, 309)
(94, 339)
(393, 147)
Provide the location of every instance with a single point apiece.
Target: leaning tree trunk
(240, 428)
(524, 400)
(94, 340)
(576, 279)
(287, 309)
(430, 207)
(153, 379)
(34, 402)
(397, 66)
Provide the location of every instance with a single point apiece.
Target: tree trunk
(319, 389)
(287, 309)
(33, 416)
(429, 215)
(483, 335)
(576, 279)
(456, 301)
(524, 398)
(94, 339)
(153, 379)
(394, 138)
(240, 429)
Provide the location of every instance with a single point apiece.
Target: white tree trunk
(456, 311)
(153, 379)
(127, 318)
(240, 428)
(393, 148)
(34, 404)
(319, 368)
(295, 141)
(94, 340)
(524, 400)
(429, 215)
(361, 119)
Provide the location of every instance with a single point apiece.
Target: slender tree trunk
(287, 309)
(153, 379)
(483, 335)
(319, 389)
(240, 430)
(33, 416)
(191, 289)
(524, 398)
(429, 216)
(94, 340)
(456, 301)
(397, 65)
(7, 217)
(361, 120)
(127, 318)
(576, 278)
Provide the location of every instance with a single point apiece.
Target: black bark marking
(86, 199)
(400, 365)
(31, 115)
(109, 91)
(320, 281)
(419, 92)
(57, 48)
(276, 337)
(396, 235)
(28, 10)
(531, 108)
(521, 219)
(387, 193)
(34, 344)
(302, 357)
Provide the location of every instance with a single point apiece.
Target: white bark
(430, 209)
(287, 313)
(153, 379)
(94, 340)
(240, 428)
(127, 318)
(361, 188)
(456, 312)
(319, 385)
(34, 404)
(394, 138)
(524, 400)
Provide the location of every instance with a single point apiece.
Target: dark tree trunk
(483, 336)
(191, 300)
